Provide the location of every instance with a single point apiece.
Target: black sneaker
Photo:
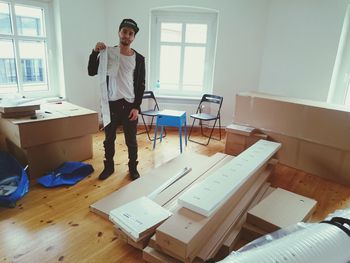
(107, 171)
(134, 174)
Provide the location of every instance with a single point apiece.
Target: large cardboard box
(312, 121)
(54, 122)
(61, 132)
(314, 134)
(46, 157)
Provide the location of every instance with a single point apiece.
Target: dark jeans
(120, 110)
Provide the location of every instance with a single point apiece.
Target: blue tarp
(67, 174)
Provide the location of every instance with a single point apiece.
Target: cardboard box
(314, 135)
(240, 129)
(233, 148)
(153, 256)
(294, 117)
(17, 114)
(3, 146)
(55, 122)
(251, 232)
(211, 248)
(281, 209)
(205, 197)
(321, 160)
(345, 168)
(61, 132)
(139, 218)
(288, 154)
(235, 233)
(47, 157)
(151, 182)
(183, 234)
(7, 108)
(241, 137)
(314, 158)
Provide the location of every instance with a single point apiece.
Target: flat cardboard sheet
(7, 108)
(281, 209)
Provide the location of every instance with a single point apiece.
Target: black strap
(339, 222)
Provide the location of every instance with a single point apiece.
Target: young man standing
(122, 79)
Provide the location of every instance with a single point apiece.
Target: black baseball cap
(127, 22)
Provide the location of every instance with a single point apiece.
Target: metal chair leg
(210, 136)
(148, 130)
(211, 132)
(189, 134)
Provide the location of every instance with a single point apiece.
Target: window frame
(183, 16)
(51, 65)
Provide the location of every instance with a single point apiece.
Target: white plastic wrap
(319, 242)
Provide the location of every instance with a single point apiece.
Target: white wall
(280, 47)
(240, 34)
(82, 24)
(301, 45)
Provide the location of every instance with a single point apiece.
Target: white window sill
(175, 99)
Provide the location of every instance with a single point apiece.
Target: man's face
(126, 36)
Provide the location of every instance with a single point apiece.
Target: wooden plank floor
(55, 225)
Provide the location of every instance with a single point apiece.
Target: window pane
(196, 33)
(29, 21)
(171, 32)
(194, 68)
(5, 19)
(8, 75)
(169, 67)
(33, 63)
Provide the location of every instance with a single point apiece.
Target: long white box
(207, 196)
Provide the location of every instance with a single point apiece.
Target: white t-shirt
(121, 85)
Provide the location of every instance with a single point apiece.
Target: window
(339, 92)
(182, 52)
(23, 49)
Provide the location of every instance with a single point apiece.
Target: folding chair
(207, 100)
(151, 112)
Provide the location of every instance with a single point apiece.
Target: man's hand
(134, 113)
(100, 46)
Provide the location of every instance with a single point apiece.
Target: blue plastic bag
(14, 183)
(67, 174)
